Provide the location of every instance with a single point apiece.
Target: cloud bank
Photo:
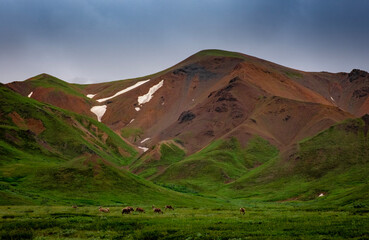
(90, 41)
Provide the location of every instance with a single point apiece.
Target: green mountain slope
(162, 156)
(221, 162)
(330, 168)
(52, 156)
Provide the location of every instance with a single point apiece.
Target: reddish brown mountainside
(348, 91)
(215, 94)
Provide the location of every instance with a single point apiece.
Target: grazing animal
(126, 210)
(242, 211)
(74, 206)
(105, 210)
(169, 207)
(130, 208)
(158, 210)
(140, 210)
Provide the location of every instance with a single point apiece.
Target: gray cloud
(92, 41)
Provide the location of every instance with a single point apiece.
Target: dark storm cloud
(94, 40)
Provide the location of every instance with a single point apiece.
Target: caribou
(126, 210)
(157, 210)
(105, 210)
(140, 210)
(169, 207)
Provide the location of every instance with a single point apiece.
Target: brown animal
(105, 210)
(130, 208)
(74, 206)
(169, 207)
(242, 211)
(140, 210)
(126, 210)
(158, 210)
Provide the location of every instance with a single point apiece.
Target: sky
(87, 41)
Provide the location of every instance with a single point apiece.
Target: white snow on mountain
(124, 90)
(99, 111)
(148, 96)
(143, 148)
(145, 140)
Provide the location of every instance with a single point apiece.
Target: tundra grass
(261, 221)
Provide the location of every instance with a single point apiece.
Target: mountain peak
(41, 76)
(356, 74)
(220, 53)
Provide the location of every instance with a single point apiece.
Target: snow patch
(29, 95)
(148, 96)
(321, 195)
(131, 121)
(99, 111)
(91, 95)
(145, 140)
(124, 90)
(143, 148)
(137, 109)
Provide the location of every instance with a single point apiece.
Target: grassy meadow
(261, 221)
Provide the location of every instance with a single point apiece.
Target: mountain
(216, 122)
(210, 95)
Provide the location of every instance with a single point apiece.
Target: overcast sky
(88, 41)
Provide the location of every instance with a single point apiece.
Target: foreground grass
(261, 221)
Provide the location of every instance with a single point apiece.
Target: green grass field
(261, 221)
